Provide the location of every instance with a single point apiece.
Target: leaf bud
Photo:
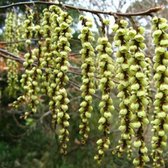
(66, 123)
(144, 149)
(107, 115)
(163, 26)
(115, 27)
(135, 124)
(161, 68)
(106, 22)
(99, 142)
(122, 128)
(135, 86)
(132, 33)
(102, 120)
(137, 143)
(165, 126)
(161, 133)
(124, 23)
(141, 114)
(155, 19)
(145, 158)
(165, 107)
(101, 152)
(139, 38)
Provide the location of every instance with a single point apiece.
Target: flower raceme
(160, 118)
(46, 67)
(106, 84)
(88, 68)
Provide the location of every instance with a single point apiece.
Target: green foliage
(36, 147)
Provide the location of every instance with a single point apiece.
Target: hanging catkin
(87, 88)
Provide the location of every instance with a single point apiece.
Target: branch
(7, 55)
(146, 12)
(18, 41)
(24, 40)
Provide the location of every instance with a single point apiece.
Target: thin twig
(17, 122)
(146, 12)
(24, 40)
(18, 41)
(44, 115)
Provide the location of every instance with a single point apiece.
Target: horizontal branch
(21, 60)
(24, 40)
(145, 12)
(14, 42)
(8, 55)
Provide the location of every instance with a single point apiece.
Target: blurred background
(31, 143)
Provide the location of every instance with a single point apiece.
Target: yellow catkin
(87, 88)
(106, 84)
(139, 95)
(160, 117)
(11, 36)
(62, 64)
(122, 42)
